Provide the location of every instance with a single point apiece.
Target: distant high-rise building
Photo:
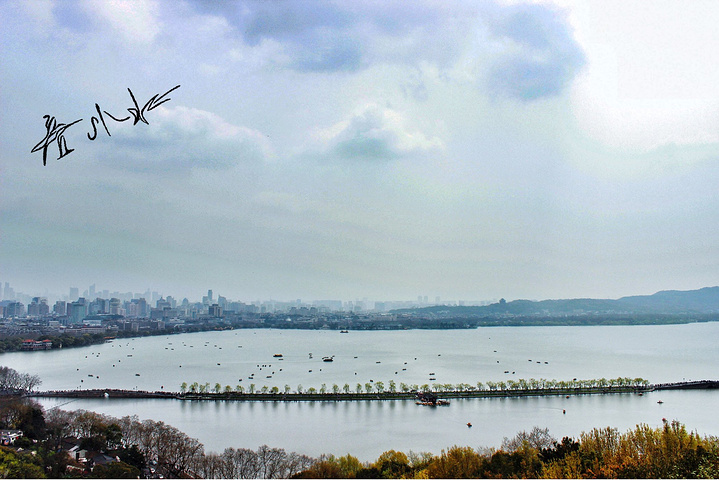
(9, 293)
(209, 295)
(33, 308)
(131, 308)
(162, 303)
(38, 307)
(114, 306)
(76, 312)
(60, 308)
(215, 311)
(99, 305)
(142, 310)
(74, 294)
(91, 291)
(171, 301)
(14, 309)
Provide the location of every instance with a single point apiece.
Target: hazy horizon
(321, 150)
(194, 298)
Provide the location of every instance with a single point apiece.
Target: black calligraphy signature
(55, 132)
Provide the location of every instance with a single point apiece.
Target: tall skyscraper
(74, 294)
(209, 295)
(9, 293)
(76, 312)
(114, 306)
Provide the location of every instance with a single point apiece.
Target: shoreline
(12, 343)
(342, 396)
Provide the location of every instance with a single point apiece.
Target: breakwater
(351, 396)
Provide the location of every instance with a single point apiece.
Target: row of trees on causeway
(520, 385)
(82, 444)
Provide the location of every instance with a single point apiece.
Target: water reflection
(366, 429)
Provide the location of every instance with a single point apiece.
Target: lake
(660, 354)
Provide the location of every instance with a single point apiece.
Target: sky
(341, 150)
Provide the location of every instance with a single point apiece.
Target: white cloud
(180, 137)
(136, 20)
(376, 133)
(526, 51)
(538, 55)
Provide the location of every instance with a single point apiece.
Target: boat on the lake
(430, 400)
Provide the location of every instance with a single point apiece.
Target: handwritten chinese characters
(56, 131)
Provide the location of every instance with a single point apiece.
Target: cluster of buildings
(75, 308)
(135, 306)
(34, 345)
(105, 312)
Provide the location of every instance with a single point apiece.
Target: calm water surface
(366, 429)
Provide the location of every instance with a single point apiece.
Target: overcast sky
(316, 150)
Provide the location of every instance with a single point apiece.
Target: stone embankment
(293, 396)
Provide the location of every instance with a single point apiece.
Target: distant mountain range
(702, 301)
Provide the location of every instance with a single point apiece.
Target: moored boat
(430, 400)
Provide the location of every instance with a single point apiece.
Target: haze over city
(343, 150)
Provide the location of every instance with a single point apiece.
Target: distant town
(32, 323)
(111, 313)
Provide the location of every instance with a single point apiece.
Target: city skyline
(466, 150)
(9, 293)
